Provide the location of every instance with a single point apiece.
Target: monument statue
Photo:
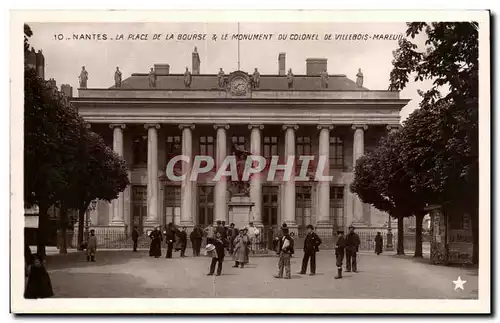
(187, 78)
(240, 187)
(152, 78)
(118, 77)
(324, 79)
(256, 78)
(84, 76)
(221, 77)
(359, 78)
(289, 77)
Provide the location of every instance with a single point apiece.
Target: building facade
(151, 118)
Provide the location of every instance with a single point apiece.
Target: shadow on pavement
(103, 258)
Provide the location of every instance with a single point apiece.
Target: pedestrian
(247, 248)
(232, 234)
(135, 237)
(219, 228)
(91, 246)
(339, 252)
(210, 231)
(196, 237)
(39, 284)
(156, 239)
(253, 235)
(379, 242)
(311, 246)
(352, 247)
(182, 242)
(224, 235)
(285, 250)
(292, 236)
(169, 239)
(240, 249)
(218, 256)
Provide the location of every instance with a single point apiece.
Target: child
(217, 249)
(91, 246)
(39, 285)
(339, 252)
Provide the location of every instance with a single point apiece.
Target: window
(139, 206)
(207, 146)
(336, 153)
(303, 205)
(337, 206)
(270, 205)
(205, 205)
(270, 147)
(303, 146)
(140, 150)
(172, 205)
(174, 147)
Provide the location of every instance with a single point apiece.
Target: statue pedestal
(240, 208)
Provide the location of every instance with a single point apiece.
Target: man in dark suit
(352, 247)
(170, 239)
(339, 252)
(135, 238)
(311, 246)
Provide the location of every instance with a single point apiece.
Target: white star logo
(459, 283)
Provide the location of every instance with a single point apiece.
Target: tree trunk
(63, 248)
(418, 234)
(41, 235)
(401, 235)
(81, 223)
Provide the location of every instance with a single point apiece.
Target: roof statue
(289, 77)
(221, 78)
(256, 79)
(359, 78)
(152, 78)
(187, 78)
(118, 77)
(324, 79)
(84, 76)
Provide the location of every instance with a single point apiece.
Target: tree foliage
(64, 163)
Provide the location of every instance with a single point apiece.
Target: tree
(380, 180)
(441, 146)
(51, 127)
(102, 174)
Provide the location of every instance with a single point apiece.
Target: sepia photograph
(250, 162)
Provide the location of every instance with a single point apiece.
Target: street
(132, 275)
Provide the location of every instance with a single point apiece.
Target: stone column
(221, 213)
(255, 181)
(116, 206)
(152, 217)
(323, 219)
(186, 185)
(358, 151)
(289, 186)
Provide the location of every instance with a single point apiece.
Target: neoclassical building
(149, 118)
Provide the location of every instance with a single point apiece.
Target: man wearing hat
(352, 247)
(339, 252)
(285, 251)
(311, 246)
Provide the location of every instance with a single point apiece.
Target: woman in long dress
(240, 249)
(155, 247)
(39, 285)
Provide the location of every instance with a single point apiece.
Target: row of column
(221, 209)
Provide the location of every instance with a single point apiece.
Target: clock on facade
(239, 85)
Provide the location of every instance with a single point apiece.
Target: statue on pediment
(359, 78)
(256, 78)
(84, 76)
(118, 77)
(221, 78)
(289, 77)
(324, 79)
(152, 78)
(187, 78)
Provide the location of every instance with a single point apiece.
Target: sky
(64, 58)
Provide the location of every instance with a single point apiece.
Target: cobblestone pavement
(133, 275)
